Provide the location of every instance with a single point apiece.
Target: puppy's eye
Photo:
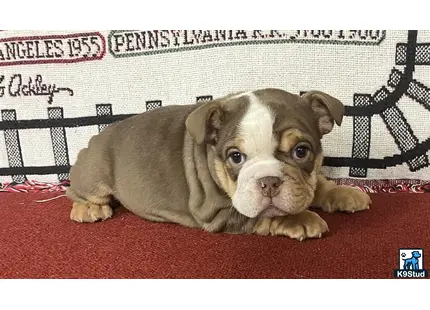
(237, 158)
(300, 152)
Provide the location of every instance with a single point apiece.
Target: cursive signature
(34, 87)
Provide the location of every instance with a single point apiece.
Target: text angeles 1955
(52, 49)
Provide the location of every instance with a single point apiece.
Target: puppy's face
(266, 147)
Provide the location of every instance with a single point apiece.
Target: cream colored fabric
(132, 71)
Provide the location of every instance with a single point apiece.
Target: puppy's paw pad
(300, 226)
(346, 199)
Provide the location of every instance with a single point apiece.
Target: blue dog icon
(412, 263)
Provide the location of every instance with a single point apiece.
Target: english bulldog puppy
(245, 163)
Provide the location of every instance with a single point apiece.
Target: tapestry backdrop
(57, 89)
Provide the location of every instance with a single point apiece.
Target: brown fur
(306, 224)
(170, 165)
(224, 177)
(289, 139)
(331, 197)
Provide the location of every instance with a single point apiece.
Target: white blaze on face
(256, 129)
(259, 144)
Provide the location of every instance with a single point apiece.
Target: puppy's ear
(327, 109)
(204, 122)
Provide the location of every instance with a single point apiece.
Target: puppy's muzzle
(269, 186)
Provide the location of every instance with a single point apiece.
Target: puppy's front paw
(306, 224)
(345, 199)
(89, 213)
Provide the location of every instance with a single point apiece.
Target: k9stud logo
(411, 264)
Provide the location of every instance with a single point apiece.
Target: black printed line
(44, 170)
(66, 122)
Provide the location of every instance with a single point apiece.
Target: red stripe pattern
(34, 187)
(376, 186)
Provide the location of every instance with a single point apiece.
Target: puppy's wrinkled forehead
(267, 117)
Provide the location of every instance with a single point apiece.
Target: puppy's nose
(269, 186)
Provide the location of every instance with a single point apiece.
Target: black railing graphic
(382, 103)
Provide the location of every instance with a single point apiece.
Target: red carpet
(37, 240)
